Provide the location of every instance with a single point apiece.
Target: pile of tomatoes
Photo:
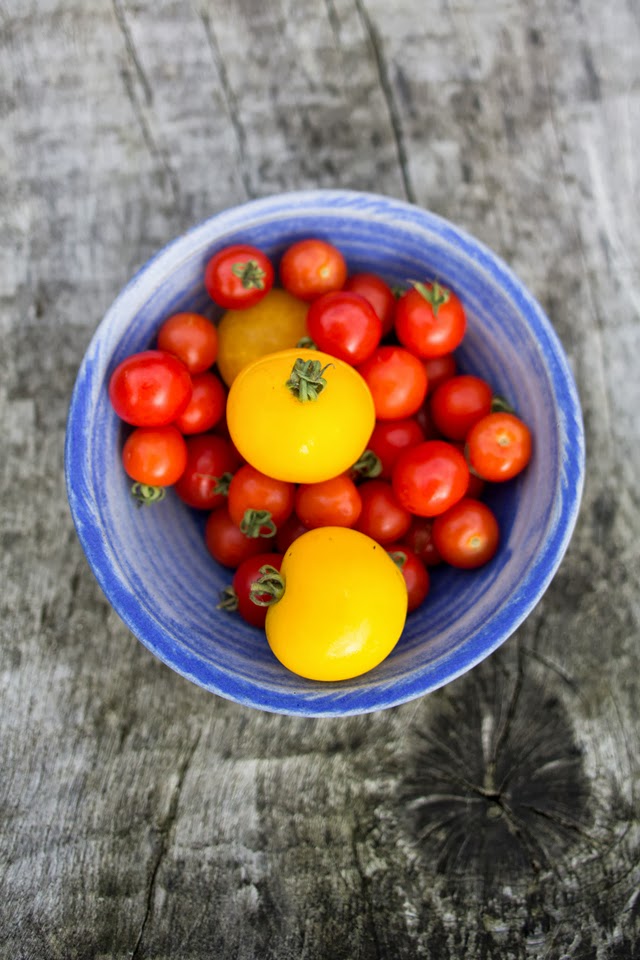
(327, 431)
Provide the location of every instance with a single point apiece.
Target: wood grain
(143, 818)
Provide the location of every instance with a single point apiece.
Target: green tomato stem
(228, 600)
(145, 494)
(436, 295)
(268, 588)
(398, 557)
(501, 405)
(257, 523)
(307, 381)
(367, 466)
(250, 274)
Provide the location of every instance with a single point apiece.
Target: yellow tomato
(343, 607)
(288, 438)
(278, 321)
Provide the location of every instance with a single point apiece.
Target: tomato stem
(368, 466)
(501, 405)
(222, 484)
(398, 557)
(145, 494)
(306, 381)
(250, 274)
(306, 343)
(228, 600)
(435, 294)
(257, 523)
(268, 588)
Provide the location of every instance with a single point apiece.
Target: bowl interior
(152, 563)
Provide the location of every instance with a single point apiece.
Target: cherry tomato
(426, 424)
(206, 406)
(292, 438)
(467, 534)
(258, 503)
(211, 460)
(289, 531)
(345, 325)
(430, 320)
(430, 478)
(390, 438)
(439, 369)
(382, 518)
(191, 337)
(227, 543)
(239, 596)
(342, 605)
(458, 403)
(150, 389)
(499, 446)
(276, 323)
(414, 572)
(312, 267)
(238, 276)
(335, 502)
(379, 294)
(397, 381)
(419, 539)
(155, 456)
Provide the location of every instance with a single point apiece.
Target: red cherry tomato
(499, 446)
(425, 421)
(238, 276)
(414, 572)
(419, 539)
(467, 534)
(227, 543)
(211, 460)
(239, 597)
(289, 531)
(390, 438)
(191, 337)
(439, 369)
(258, 504)
(430, 320)
(150, 389)
(382, 517)
(331, 503)
(206, 406)
(458, 403)
(344, 325)
(312, 267)
(397, 381)
(155, 456)
(379, 294)
(430, 478)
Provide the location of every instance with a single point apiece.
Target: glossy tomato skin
(289, 531)
(227, 544)
(335, 502)
(430, 478)
(243, 579)
(382, 518)
(206, 406)
(458, 403)
(312, 267)
(499, 446)
(397, 381)
(379, 294)
(419, 539)
(345, 325)
(209, 458)
(416, 576)
(155, 456)
(467, 535)
(251, 490)
(343, 608)
(192, 338)
(150, 388)
(301, 442)
(430, 320)
(238, 276)
(390, 438)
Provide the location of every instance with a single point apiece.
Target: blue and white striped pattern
(152, 563)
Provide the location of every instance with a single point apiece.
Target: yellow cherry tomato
(343, 607)
(288, 437)
(278, 321)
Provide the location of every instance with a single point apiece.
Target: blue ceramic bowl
(152, 563)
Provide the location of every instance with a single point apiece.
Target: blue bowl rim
(420, 682)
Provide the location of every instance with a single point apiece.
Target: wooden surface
(141, 817)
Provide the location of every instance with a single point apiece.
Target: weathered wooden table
(141, 817)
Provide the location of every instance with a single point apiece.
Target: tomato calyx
(398, 557)
(228, 600)
(145, 494)
(250, 274)
(306, 381)
(268, 588)
(501, 405)
(257, 523)
(306, 343)
(221, 483)
(436, 295)
(368, 466)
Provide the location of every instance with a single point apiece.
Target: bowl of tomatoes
(465, 451)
